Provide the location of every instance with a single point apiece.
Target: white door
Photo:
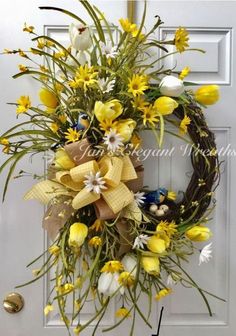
(211, 27)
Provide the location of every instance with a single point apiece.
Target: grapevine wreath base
(112, 237)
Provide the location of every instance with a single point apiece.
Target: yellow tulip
(62, 160)
(108, 111)
(207, 94)
(151, 265)
(125, 128)
(78, 233)
(156, 244)
(165, 105)
(48, 98)
(199, 233)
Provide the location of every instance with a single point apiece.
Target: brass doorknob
(13, 303)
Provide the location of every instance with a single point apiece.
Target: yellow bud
(109, 110)
(48, 309)
(48, 98)
(199, 233)
(126, 279)
(165, 105)
(62, 160)
(125, 128)
(151, 265)
(156, 244)
(78, 233)
(54, 249)
(207, 95)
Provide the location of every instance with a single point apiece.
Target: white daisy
(106, 85)
(205, 254)
(140, 241)
(139, 198)
(108, 50)
(94, 182)
(113, 141)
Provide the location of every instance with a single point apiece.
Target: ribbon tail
(45, 191)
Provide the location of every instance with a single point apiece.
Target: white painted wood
(211, 24)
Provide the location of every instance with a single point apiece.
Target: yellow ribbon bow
(114, 170)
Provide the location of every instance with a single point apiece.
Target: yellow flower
(24, 104)
(95, 241)
(97, 225)
(60, 54)
(48, 309)
(62, 118)
(171, 195)
(78, 233)
(43, 68)
(183, 127)
(184, 73)
(127, 26)
(42, 43)
(135, 34)
(181, 39)
(54, 249)
(107, 125)
(77, 330)
(62, 160)
(126, 279)
(22, 67)
(138, 84)
(123, 312)
(169, 228)
(165, 105)
(29, 29)
(136, 140)
(207, 94)
(125, 128)
(72, 135)
(199, 233)
(156, 245)
(162, 293)
(22, 53)
(151, 265)
(4, 142)
(48, 98)
(85, 77)
(112, 266)
(109, 110)
(54, 127)
(67, 288)
(149, 115)
(139, 102)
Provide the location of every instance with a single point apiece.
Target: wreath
(112, 237)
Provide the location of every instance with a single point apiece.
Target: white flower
(171, 86)
(108, 50)
(113, 141)
(108, 284)
(205, 254)
(139, 198)
(80, 37)
(94, 182)
(129, 262)
(140, 241)
(106, 85)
